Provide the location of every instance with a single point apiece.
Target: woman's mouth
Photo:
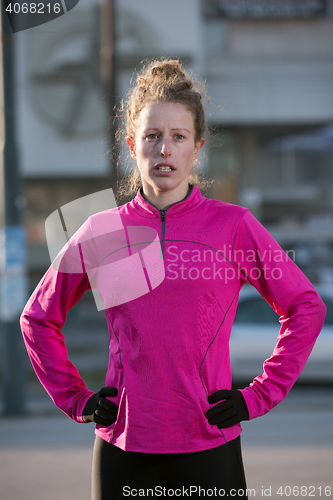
(164, 168)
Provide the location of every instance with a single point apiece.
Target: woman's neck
(162, 200)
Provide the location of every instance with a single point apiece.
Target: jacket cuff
(80, 407)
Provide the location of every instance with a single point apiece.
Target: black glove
(100, 410)
(229, 412)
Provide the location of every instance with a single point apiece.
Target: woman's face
(165, 148)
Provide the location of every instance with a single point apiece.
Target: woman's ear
(198, 146)
(131, 145)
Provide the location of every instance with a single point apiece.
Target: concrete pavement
(49, 457)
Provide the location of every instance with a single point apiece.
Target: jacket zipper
(162, 212)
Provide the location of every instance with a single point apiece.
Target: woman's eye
(151, 137)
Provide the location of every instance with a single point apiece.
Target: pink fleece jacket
(169, 283)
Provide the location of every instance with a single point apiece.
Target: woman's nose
(165, 150)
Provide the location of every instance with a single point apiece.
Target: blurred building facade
(270, 65)
(268, 70)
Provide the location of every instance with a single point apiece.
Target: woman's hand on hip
(100, 410)
(230, 411)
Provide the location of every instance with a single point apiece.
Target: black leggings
(214, 473)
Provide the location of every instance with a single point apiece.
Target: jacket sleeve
(262, 262)
(41, 321)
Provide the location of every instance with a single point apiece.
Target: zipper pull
(162, 212)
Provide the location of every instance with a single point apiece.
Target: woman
(167, 417)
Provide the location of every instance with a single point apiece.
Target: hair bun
(169, 69)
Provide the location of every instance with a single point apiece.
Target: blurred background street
(268, 68)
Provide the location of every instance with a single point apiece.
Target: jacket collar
(146, 209)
